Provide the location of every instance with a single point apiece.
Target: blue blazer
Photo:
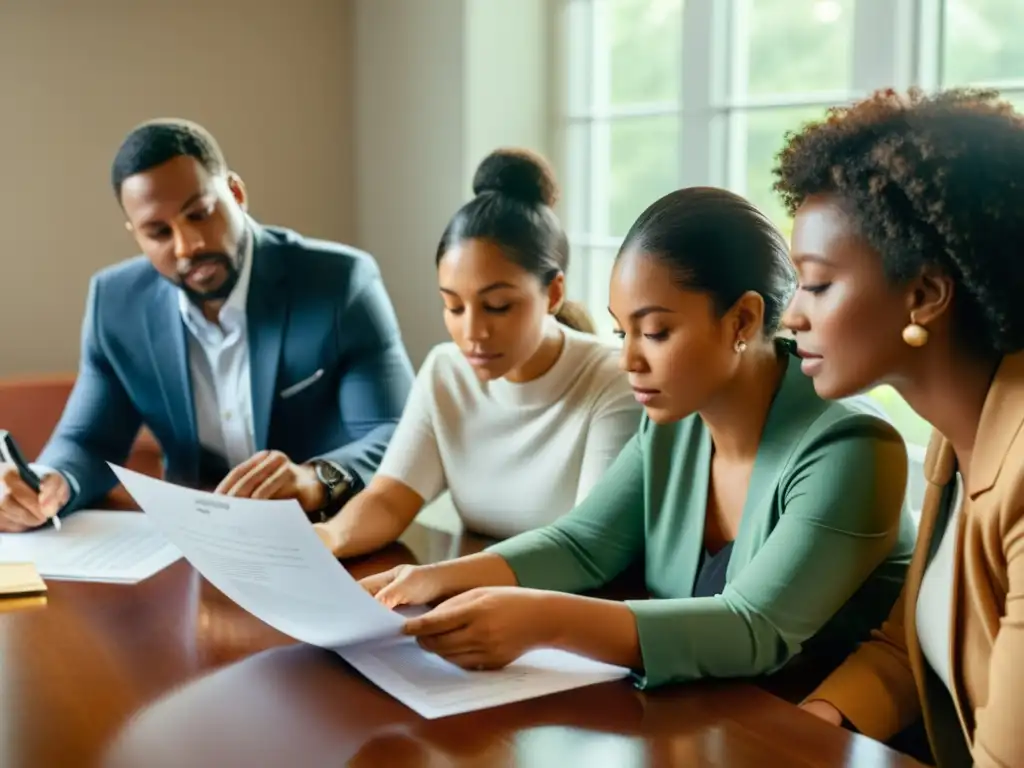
(312, 305)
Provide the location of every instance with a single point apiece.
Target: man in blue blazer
(266, 364)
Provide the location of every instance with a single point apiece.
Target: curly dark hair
(929, 180)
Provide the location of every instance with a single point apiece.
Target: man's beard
(232, 270)
(222, 291)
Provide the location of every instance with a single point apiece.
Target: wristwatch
(338, 485)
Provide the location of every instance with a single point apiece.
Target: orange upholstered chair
(31, 406)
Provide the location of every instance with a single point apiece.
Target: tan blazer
(886, 683)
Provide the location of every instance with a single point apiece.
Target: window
(662, 94)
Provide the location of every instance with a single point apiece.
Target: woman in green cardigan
(769, 520)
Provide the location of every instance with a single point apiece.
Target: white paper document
(436, 688)
(118, 547)
(266, 557)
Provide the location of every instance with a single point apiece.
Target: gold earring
(740, 346)
(915, 335)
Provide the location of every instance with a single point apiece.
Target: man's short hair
(156, 141)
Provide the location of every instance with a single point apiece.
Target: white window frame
(896, 43)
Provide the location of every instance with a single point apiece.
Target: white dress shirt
(934, 609)
(218, 355)
(221, 383)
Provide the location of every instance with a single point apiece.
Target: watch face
(329, 473)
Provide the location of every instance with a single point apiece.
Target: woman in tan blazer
(909, 241)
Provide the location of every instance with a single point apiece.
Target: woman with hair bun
(769, 522)
(524, 409)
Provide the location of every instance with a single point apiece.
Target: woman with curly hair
(909, 224)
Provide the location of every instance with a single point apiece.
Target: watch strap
(337, 493)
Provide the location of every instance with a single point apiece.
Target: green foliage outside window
(792, 47)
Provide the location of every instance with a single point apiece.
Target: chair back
(31, 406)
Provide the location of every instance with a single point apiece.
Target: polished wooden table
(169, 672)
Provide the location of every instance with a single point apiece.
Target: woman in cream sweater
(521, 413)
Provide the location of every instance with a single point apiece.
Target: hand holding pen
(26, 501)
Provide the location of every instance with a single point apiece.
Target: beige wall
(508, 77)
(271, 79)
(355, 120)
(438, 85)
(410, 136)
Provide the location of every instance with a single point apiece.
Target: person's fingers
(252, 479)
(454, 643)
(390, 585)
(412, 586)
(16, 517)
(24, 502)
(232, 478)
(53, 494)
(273, 483)
(473, 661)
(8, 474)
(391, 595)
(8, 525)
(442, 619)
(376, 584)
(13, 513)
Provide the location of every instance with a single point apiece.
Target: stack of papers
(266, 557)
(115, 547)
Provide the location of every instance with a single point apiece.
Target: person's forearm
(604, 630)
(364, 525)
(472, 571)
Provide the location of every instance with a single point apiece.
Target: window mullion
(600, 130)
(883, 50)
(929, 25)
(576, 35)
(696, 126)
(736, 59)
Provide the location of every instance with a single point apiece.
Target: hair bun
(517, 173)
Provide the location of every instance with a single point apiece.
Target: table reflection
(296, 706)
(302, 705)
(169, 672)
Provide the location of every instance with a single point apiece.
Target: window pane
(643, 165)
(766, 134)
(795, 46)
(574, 206)
(578, 74)
(644, 40)
(597, 264)
(983, 41)
(1016, 100)
(914, 429)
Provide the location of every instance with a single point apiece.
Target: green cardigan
(821, 553)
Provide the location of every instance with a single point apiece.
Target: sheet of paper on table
(264, 555)
(115, 547)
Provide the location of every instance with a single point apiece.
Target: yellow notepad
(20, 580)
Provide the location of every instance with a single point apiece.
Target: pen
(10, 453)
